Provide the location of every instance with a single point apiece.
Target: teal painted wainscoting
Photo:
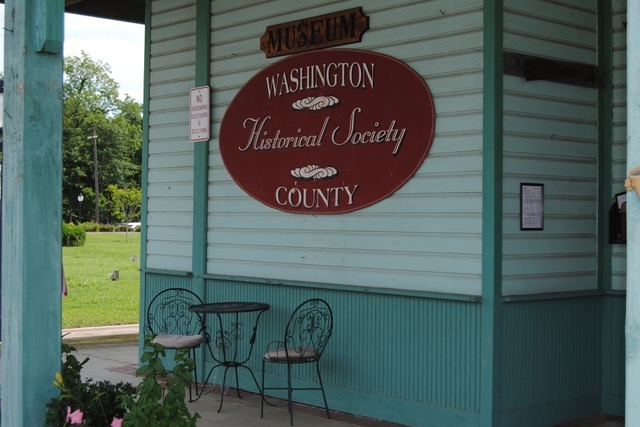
(551, 360)
(415, 358)
(613, 354)
(417, 355)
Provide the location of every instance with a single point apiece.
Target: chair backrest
(168, 313)
(308, 330)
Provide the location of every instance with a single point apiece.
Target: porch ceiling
(118, 10)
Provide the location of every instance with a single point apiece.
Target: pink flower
(117, 422)
(74, 417)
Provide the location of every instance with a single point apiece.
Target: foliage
(94, 299)
(92, 106)
(95, 227)
(98, 401)
(103, 404)
(73, 235)
(89, 226)
(125, 203)
(153, 405)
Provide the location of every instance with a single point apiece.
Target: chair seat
(178, 341)
(280, 354)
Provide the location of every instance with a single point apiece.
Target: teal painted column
(491, 332)
(632, 324)
(31, 208)
(605, 136)
(145, 175)
(605, 193)
(201, 149)
(201, 160)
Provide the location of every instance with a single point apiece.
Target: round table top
(229, 307)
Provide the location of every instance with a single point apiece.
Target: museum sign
(328, 131)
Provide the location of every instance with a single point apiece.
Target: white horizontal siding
(550, 138)
(562, 30)
(427, 236)
(170, 162)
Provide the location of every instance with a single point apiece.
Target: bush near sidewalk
(73, 235)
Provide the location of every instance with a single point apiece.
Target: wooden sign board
(328, 132)
(330, 30)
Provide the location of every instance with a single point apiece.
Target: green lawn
(93, 298)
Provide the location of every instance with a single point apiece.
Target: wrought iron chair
(305, 338)
(175, 327)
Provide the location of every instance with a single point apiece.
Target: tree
(91, 102)
(125, 203)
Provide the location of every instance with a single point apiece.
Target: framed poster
(531, 206)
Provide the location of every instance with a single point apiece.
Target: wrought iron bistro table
(229, 347)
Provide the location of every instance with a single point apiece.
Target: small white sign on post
(199, 114)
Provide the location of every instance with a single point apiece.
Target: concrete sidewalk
(98, 334)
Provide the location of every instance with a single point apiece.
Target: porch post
(492, 146)
(31, 208)
(201, 161)
(632, 324)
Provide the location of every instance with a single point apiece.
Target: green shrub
(73, 235)
(100, 404)
(153, 405)
(99, 401)
(89, 226)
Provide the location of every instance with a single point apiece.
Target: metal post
(80, 199)
(95, 173)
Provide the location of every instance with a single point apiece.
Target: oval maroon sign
(330, 131)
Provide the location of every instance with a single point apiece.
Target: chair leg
(324, 397)
(262, 392)
(290, 393)
(195, 374)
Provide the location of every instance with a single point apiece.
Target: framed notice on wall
(199, 113)
(531, 206)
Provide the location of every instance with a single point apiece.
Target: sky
(119, 44)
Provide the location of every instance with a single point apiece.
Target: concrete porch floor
(113, 356)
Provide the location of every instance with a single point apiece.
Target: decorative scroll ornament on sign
(329, 131)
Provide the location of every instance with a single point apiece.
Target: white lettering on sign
(262, 138)
(199, 114)
(277, 141)
(373, 136)
(343, 74)
(312, 198)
